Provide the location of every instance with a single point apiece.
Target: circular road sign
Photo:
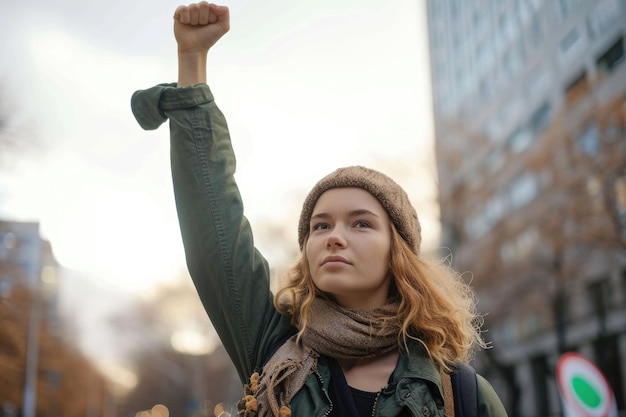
(584, 389)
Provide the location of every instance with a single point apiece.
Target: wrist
(191, 68)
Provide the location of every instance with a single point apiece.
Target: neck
(386, 358)
(369, 374)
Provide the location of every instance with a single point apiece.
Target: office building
(529, 100)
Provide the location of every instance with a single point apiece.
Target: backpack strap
(465, 389)
(448, 397)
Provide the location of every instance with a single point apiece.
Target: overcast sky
(306, 87)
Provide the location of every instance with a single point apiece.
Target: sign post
(585, 392)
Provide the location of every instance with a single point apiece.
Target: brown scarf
(331, 331)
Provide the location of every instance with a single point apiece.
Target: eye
(320, 226)
(362, 224)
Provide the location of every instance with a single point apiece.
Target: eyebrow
(353, 213)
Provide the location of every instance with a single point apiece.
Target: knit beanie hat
(390, 195)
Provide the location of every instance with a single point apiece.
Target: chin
(331, 285)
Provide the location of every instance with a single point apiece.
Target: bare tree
(15, 136)
(167, 373)
(529, 228)
(68, 384)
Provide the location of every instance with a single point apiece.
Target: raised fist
(199, 25)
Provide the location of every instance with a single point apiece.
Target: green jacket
(232, 277)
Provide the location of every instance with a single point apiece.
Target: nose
(336, 239)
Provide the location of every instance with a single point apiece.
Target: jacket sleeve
(489, 404)
(230, 275)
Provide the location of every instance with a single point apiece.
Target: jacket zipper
(330, 407)
(376, 400)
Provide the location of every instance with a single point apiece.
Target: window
(577, 88)
(613, 55)
(604, 15)
(485, 57)
(608, 357)
(518, 249)
(483, 89)
(524, 12)
(509, 28)
(570, 40)
(572, 46)
(560, 7)
(614, 130)
(477, 225)
(510, 332)
(435, 8)
(530, 324)
(8, 242)
(536, 32)
(479, 20)
(588, 141)
(539, 80)
(534, 324)
(523, 190)
(599, 295)
(513, 59)
(507, 253)
(495, 160)
(536, 4)
(540, 373)
(564, 8)
(526, 241)
(561, 305)
(495, 208)
(520, 139)
(454, 9)
(540, 118)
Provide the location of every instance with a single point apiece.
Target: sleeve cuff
(149, 106)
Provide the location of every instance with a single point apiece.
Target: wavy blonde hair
(437, 308)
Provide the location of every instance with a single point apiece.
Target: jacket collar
(416, 364)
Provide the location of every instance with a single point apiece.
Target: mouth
(334, 260)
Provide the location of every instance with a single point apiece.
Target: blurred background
(504, 120)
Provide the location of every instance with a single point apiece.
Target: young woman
(364, 325)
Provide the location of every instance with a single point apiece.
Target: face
(349, 246)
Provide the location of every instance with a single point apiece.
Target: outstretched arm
(197, 27)
(230, 275)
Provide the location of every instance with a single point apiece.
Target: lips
(335, 259)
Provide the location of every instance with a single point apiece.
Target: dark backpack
(464, 390)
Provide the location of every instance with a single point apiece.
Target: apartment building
(529, 101)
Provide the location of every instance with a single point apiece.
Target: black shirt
(348, 401)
